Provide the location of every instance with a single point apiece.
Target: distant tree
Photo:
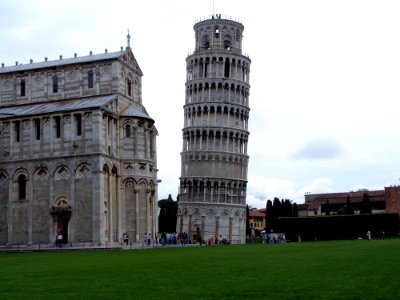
(248, 229)
(167, 217)
(347, 209)
(276, 208)
(327, 208)
(366, 206)
(287, 209)
(295, 210)
(268, 215)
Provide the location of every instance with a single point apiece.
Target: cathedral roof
(55, 106)
(62, 61)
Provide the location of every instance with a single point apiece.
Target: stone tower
(212, 193)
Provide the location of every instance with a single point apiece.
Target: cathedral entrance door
(61, 217)
(62, 227)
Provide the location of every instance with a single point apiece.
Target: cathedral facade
(77, 151)
(214, 160)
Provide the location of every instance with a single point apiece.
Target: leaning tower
(212, 192)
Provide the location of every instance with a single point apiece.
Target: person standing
(59, 240)
(148, 239)
(271, 237)
(369, 235)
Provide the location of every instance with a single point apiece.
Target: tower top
(218, 34)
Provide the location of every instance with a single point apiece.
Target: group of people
(181, 238)
(273, 238)
(369, 235)
(218, 241)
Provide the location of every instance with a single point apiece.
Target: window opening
(17, 127)
(78, 123)
(201, 68)
(216, 32)
(129, 87)
(37, 128)
(227, 44)
(21, 187)
(227, 68)
(22, 87)
(55, 84)
(90, 79)
(128, 130)
(57, 120)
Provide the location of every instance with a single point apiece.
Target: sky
(324, 76)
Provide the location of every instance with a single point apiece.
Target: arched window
(21, 187)
(216, 32)
(227, 44)
(90, 79)
(128, 130)
(206, 42)
(227, 68)
(55, 84)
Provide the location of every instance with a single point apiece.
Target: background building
(77, 151)
(257, 219)
(214, 160)
(382, 201)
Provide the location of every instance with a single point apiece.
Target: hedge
(338, 227)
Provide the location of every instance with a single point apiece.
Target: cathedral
(78, 152)
(214, 160)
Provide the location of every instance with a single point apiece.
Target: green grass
(323, 270)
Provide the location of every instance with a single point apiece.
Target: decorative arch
(83, 170)
(20, 171)
(62, 172)
(3, 175)
(41, 173)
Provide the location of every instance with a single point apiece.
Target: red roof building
(382, 201)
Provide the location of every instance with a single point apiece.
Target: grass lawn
(322, 270)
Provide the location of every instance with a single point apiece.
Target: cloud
(261, 189)
(318, 186)
(319, 148)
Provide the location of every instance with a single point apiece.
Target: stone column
(137, 215)
(190, 233)
(217, 226)
(230, 229)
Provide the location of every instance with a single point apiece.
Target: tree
(347, 209)
(295, 210)
(167, 216)
(286, 208)
(268, 215)
(247, 221)
(366, 206)
(328, 208)
(276, 208)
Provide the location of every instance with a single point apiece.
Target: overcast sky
(325, 80)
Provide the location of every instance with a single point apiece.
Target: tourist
(271, 237)
(59, 240)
